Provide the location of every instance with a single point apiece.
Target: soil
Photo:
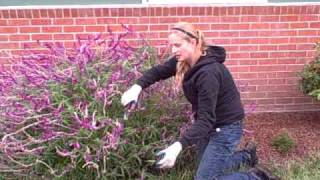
(302, 127)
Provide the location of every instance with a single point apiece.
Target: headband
(187, 33)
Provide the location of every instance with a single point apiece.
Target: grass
(302, 169)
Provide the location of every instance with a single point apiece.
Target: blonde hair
(189, 32)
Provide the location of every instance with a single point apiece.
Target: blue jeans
(218, 157)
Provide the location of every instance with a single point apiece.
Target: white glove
(131, 95)
(170, 155)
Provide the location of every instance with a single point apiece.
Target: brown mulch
(302, 127)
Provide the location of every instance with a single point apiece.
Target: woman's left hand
(170, 155)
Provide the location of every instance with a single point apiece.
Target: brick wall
(267, 45)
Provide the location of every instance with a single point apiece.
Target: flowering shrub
(61, 116)
(310, 82)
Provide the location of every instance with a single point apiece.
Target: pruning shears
(128, 108)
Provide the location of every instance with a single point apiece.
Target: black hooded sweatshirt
(209, 87)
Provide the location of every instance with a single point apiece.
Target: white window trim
(200, 3)
(203, 1)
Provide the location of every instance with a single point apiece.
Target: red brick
(167, 20)
(260, 41)
(106, 21)
(59, 13)
(249, 19)
(266, 62)
(144, 11)
(240, 41)
(265, 101)
(298, 40)
(35, 13)
(41, 37)
(299, 25)
(98, 12)
(287, 47)
(4, 38)
(280, 40)
(180, 11)
(288, 33)
(230, 34)
(74, 13)
(63, 37)
(248, 62)
(249, 33)
(267, 68)
(63, 22)
(315, 25)
(86, 21)
(190, 19)
(267, 47)
(128, 12)
(259, 55)
(284, 100)
(302, 100)
(260, 26)
(286, 74)
(29, 29)
(43, 13)
(66, 13)
(127, 20)
(220, 41)
(220, 26)
(239, 26)
(19, 37)
(20, 13)
(73, 29)
(141, 28)
(86, 12)
(270, 19)
(281, 25)
(308, 17)
(248, 75)
(40, 21)
(158, 11)
(235, 69)
(305, 46)
(308, 32)
(95, 28)
(13, 13)
(159, 28)
(18, 22)
(231, 19)
(51, 29)
(5, 13)
(51, 13)
(136, 12)
(8, 30)
(276, 81)
(9, 45)
(296, 68)
(288, 18)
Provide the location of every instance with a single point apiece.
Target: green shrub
(310, 82)
(283, 143)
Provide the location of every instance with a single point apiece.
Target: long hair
(188, 32)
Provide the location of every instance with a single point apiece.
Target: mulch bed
(302, 127)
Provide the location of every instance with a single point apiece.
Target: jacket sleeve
(207, 86)
(157, 73)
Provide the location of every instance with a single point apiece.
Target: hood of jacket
(214, 54)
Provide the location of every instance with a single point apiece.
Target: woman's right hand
(131, 95)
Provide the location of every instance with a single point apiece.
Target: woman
(209, 87)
